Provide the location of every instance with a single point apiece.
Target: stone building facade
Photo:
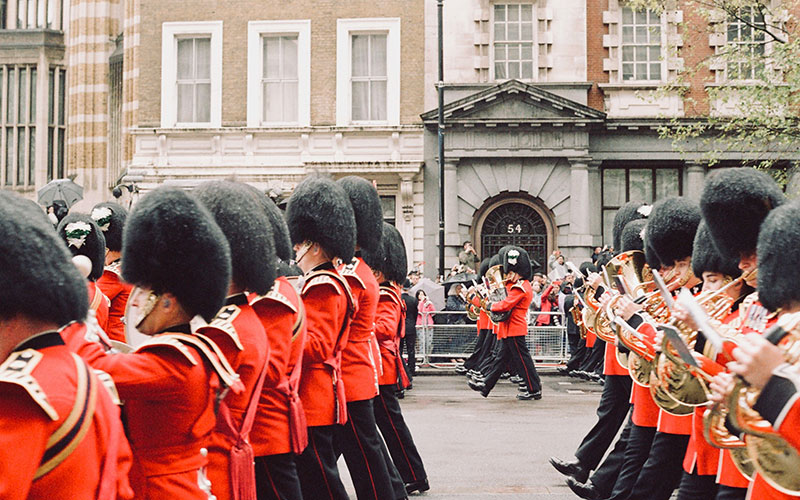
(552, 119)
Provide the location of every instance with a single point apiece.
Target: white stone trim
(255, 62)
(344, 28)
(169, 67)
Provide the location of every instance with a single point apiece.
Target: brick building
(552, 118)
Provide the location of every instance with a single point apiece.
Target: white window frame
(255, 69)
(344, 29)
(170, 32)
(663, 60)
(746, 81)
(535, 41)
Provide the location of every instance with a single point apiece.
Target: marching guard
(110, 218)
(239, 333)
(61, 431)
(179, 261)
(323, 230)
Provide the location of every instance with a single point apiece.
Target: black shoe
(522, 388)
(516, 379)
(417, 486)
(400, 394)
(527, 396)
(478, 378)
(572, 469)
(573, 374)
(461, 370)
(410, 386)
(505, 375)
(562, 370)
(586, 490)
(476, 386)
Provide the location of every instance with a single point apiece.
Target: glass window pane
(272, 102)
(499, 12)
(360, 98)
(9, 155)
(733, 32)
(526, 52)
(203, 54)
(51, 88)
(378, 100)
(527, 70)
(185, 58)
(22, 103)
(608, 227)
(499, 52)
(50, 147)
(641, 54)
(655, 71)
(62, 96)
(33, 96)
(500, 32)
(667, 183)
(513, 70)
(655, 52)
(641, 34)
(641, 185)
(613, 187)
(203, 96)
(32, 157)
(655, 34)
(378, 55)
(527, 31)
(290, 57)
(627, 15)
(641, 16)
(513, 52)
(60, 157)
(20, 156)
(500, 71)
(290, 102)
(513, 31)
(641, 71)
(526, 12)
(627, 34)
(627, 71)
(272, 57)
(360, 55)
(185, 102)
(627, 53)
(11, 99)
(513, 12)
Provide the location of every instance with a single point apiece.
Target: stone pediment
(514, 102)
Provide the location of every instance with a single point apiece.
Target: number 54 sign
(514, 228)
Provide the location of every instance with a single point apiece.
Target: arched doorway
(515, 221)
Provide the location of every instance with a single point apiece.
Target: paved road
(496, 448)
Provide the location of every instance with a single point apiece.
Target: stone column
(406, 222)
(595, 202)
(579, 238)
(695, 177)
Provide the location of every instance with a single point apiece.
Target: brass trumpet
(496, 286)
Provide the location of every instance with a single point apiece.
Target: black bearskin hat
(650, 256)
(37, 277)
(587, 267)
(280, 233)
(110, 218)
(172, 244)
(778, 252)
(628, 212)
(320, 211)
(367, 209)
(706, 257)
(245, 225)
(734, 203)
(495, 261)
(631, 238)
(671, 227)
(392, 262)
(83, 237)
(516, 259)
(484, 266)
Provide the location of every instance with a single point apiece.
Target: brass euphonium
(496, 285)
(473, 293)
(774, 458)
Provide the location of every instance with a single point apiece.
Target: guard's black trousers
(358, 440)
(619, 479)
(605, 477)
(577, 356)
(397, 436)
(731, 493)
(614, 406)
(316, 466)
(662, 472)
(514, 352)
(696, 487)
(493, 352)
(276, 478)
(482, 348)
(409, 344)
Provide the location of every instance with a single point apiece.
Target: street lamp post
(440, 129)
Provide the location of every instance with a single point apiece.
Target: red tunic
(611, 365)
(99, 303)
(359, 359)
(645, 410)
(39, 388)
(169, 387)
(117, 292)
(280, 420)
(238, 332)
(329, 306)
(389, 328)
(518, 300)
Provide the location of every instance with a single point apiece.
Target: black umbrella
(60, 189)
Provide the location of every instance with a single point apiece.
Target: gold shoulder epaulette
(17, 370)
(223, 322)
(108, 383)
(390, 292)
(275, 294)
(115, 267)
(350, 271)
(321, 279)
(168, 340)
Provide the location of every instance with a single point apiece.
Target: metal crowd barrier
(448, 335)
